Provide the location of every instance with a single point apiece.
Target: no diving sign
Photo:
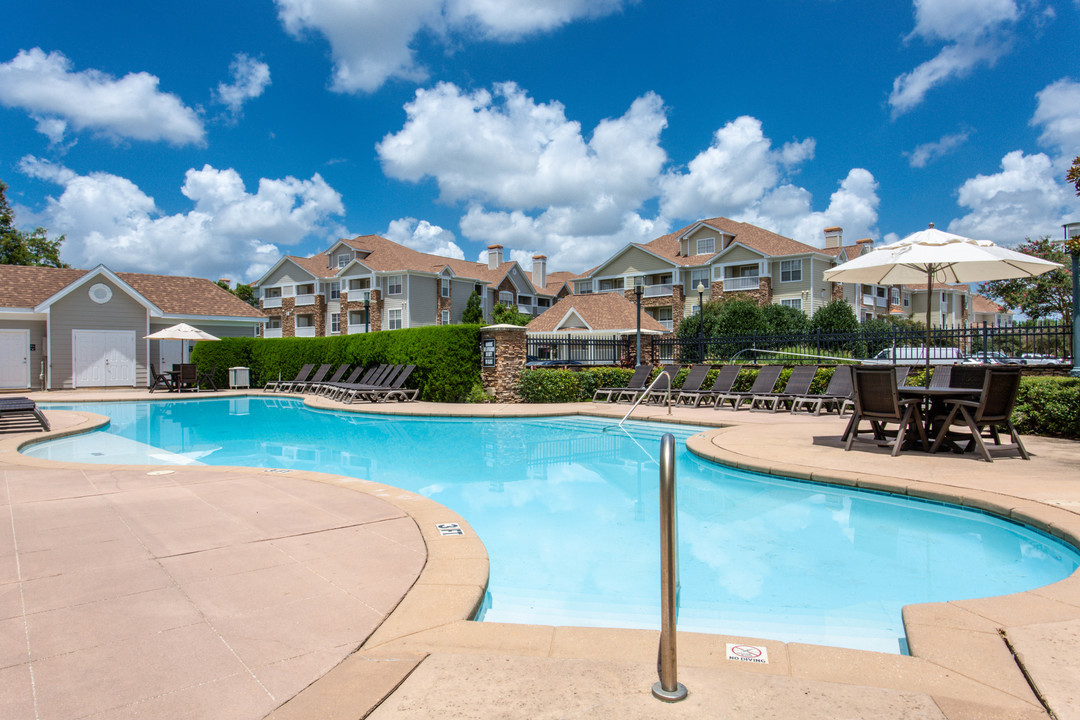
(747, 653)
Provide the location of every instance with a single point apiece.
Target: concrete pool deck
(1005, 657)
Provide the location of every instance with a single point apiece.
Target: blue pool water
(567, 508)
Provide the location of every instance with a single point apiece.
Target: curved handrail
(645, 394)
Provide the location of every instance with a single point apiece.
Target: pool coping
(960, 652)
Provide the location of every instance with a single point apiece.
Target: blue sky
(210, 138)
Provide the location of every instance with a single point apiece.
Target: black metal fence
(1032, 344)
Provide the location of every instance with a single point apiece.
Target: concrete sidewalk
(992, 658)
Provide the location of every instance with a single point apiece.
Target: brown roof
(982, 304)
(760, 239)
(602, 311)
(26, 287)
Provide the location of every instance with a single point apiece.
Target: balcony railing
(741, 283)
(304, 300)
(308, 331)
(868, 300)
(526, 309)
(882, 302)
(271, 332)
(668, 324)
(356, 329)
(274, 302)
(657, 290)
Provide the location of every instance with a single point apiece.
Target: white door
(14, 358)
(104, 358)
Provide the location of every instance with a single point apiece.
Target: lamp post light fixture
(367, 312)
(701, 321)
(637, 296)
(1072, 246)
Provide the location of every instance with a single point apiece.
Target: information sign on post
(488, 352)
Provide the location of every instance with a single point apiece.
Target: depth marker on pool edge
(449, 529)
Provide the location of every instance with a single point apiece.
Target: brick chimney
(539, 270)
(834, 237)
(495, 256)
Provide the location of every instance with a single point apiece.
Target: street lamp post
(1072, 246)
(637, 295)
(367, 312)
(701, 321)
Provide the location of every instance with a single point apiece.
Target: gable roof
(752, 236)
(982, 304)
(27, 287)
(609, 312)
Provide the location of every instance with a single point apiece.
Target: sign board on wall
(487, 350)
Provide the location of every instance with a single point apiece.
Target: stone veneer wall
(375, 305)
(443, 303)
(762, 296)
(501, 381)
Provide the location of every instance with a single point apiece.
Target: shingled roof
(610, 312)
(752, 236)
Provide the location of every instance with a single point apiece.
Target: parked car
(994, 357)
(917, 356)
(1038, 359)
(536, 362)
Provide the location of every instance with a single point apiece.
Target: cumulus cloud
(1057, 110)
(228, 233)
(61, 99)
(976, 32)
(423, 236)
(372, 42)
(926, 153)
(250, 77)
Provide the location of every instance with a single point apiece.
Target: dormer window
(706, 246)
(342, 260)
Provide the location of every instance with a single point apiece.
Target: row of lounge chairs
(762, 395)
(21, 414)
(380, 383)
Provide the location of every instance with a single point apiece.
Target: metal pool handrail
(668, 688)
(646, 394)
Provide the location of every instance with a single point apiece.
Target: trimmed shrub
(1048, 406)
(446, 357)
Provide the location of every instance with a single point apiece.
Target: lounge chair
(725, 380)
(993, 409)
(159, 380)
(637, 382)
(208, 378)
(372, 378)
(21, 414)
(942, 376)
(763, 383)
(837, 395)
(902, 372)
(277, 385)
(658, 393)
(382, 381)
(802, 376)
(298, 387)
(393, 391)
(328, 388)
(877, 400)
(316, 385)
(691, 387)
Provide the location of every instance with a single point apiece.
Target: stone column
(499, 379)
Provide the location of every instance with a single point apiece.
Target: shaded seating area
(982, 418)
(21, 414)
(637, 382)
(763, 384)
(802, 376)
(159, 380)
(877, 402)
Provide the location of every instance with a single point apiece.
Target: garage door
(14, 358)
(104, 358)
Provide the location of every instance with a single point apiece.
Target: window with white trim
(359, 283)
(271, 292)
(699, 276)
(393, 318)
(706, 246)
(895, 299)
(583, 288)
(792, 303)
(611, 284)
(342, 260)
(445, 282)
(393, 285)
(335, 290)
(907, 300)
(445, 317)
(790, 270)
(335, 322)
(506, 297)
(274, 322)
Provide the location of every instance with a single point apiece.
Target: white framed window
(445, 317)
(393, 318)
(335, 290)
(506, 297)
(335, 323)
(610, 284)
(359, 283)
(907, 301)
(792, 303)
(445, 283)
(305, 321)
(583, 288)
(706, 246)
(791, 271)
(895, 299)
(272, 292)
(699, 276)
(342, 260)
(393, 285)
(274, 322)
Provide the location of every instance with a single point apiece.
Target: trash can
(239, 377)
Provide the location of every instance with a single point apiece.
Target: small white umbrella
(933, 256)
(182, 331)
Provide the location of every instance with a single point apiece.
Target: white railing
(657, 290)
(274, 302)
(741, 283)
(271, 332)
(882, 302)
(356, 329)
(305, 331)
(526, 309)
(304, 300)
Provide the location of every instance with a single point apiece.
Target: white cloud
(371, 42)
(59, 98)
(978, 32)
(926, 153)
(423, 236)
(229, 233)
(1058, 112)
(250, 77)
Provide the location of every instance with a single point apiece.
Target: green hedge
(1048, 406)
(446, 357)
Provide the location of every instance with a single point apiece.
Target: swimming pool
(568, 512)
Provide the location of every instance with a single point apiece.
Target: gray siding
(76, 311)
(422, 300)
(459, 298)
(38, 342)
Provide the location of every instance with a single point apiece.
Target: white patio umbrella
(182, 331)
(932, 256)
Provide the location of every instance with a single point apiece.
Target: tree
(837, 316)
(508, 315)
(242, 291)
(1045, 295)
(473, 314)
(1074, 174)
(25, 248)
(785, 319)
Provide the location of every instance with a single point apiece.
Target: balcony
(657, 291)
(356, 329)
(882, 302)
(274, 302)
(308, 331)
(741, 283)
(868, 300)
(304, 300)
(271, 332)
(525, 309)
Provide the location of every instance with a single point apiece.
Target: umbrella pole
(929, 301)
